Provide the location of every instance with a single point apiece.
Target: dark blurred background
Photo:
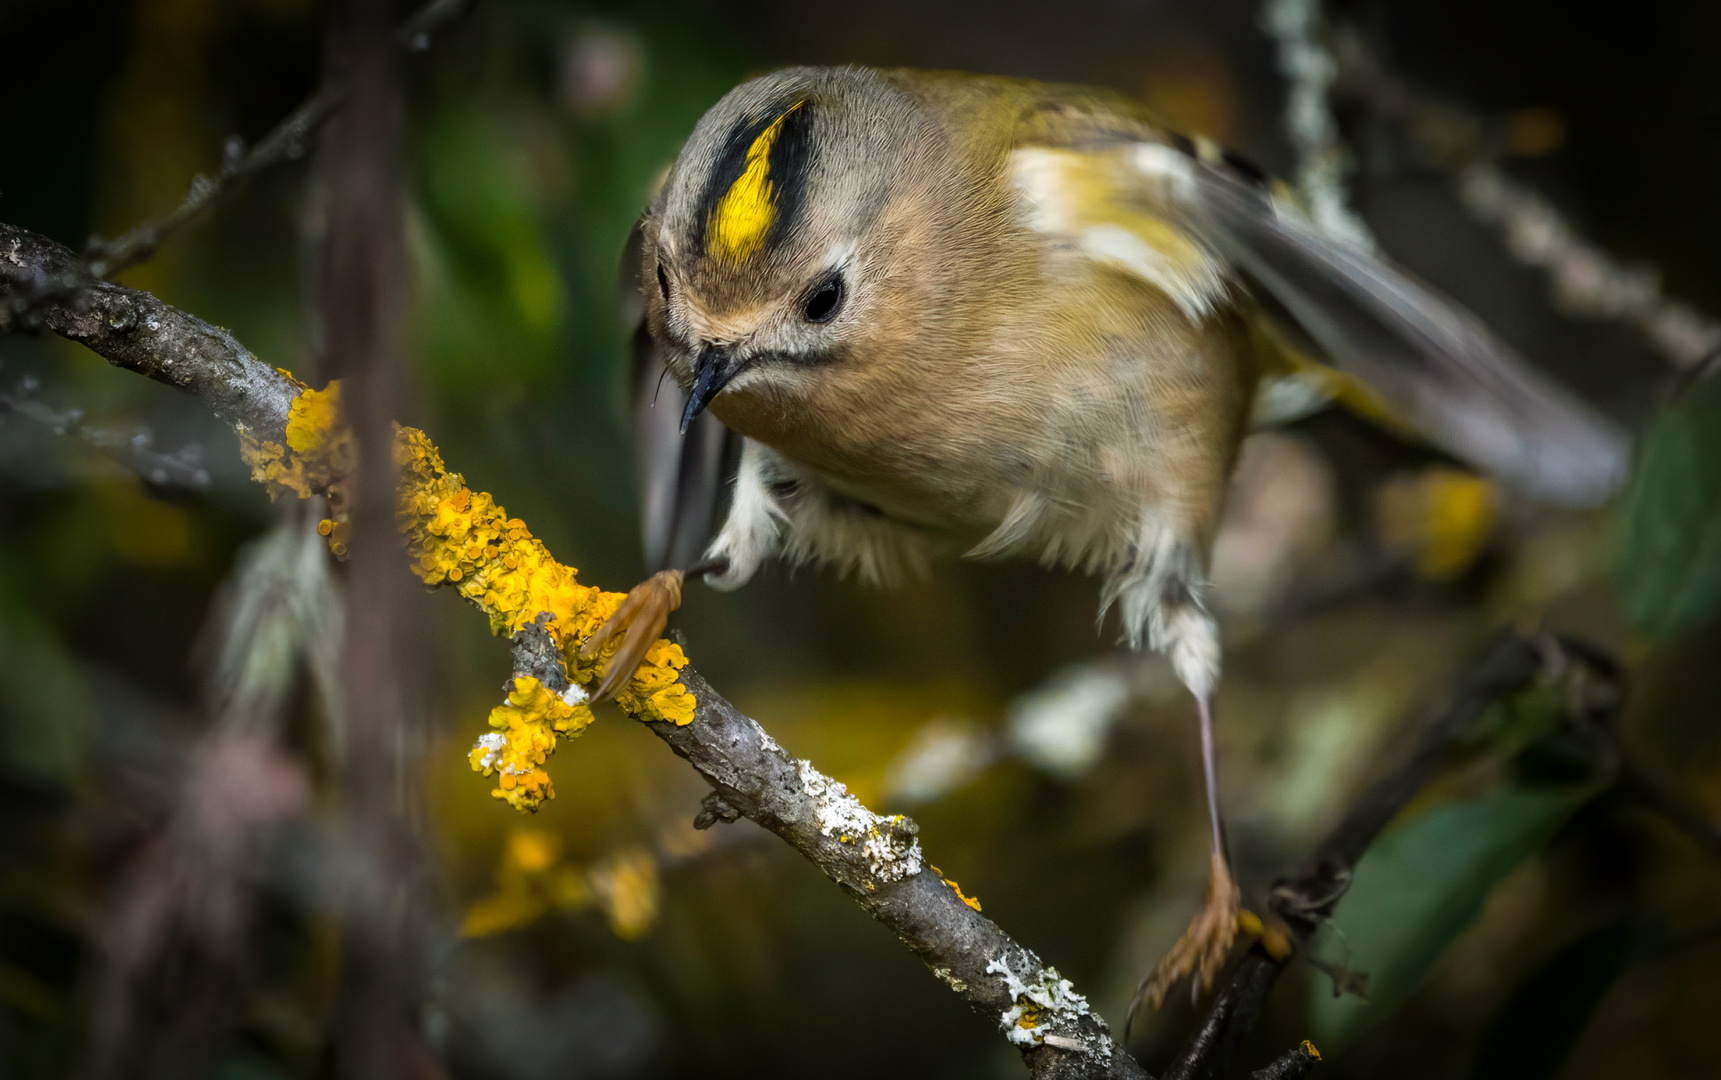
(1576, 937)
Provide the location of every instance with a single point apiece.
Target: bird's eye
(662, 282)
(825, 301)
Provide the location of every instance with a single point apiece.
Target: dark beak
(711, 372)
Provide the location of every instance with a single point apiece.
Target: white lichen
(493, 742)
(769, 745)
(949, 978)
(575, 694)
(1323, 163)
(890, 850)
(1040, 1001)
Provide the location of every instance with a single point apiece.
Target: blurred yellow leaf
(1442, 516)
(627, 887)
(532, 850)
(502, 911)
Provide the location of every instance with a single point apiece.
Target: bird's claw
(1200, 953)
(642, 617)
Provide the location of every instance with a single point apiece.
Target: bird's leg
(642, 617)
(1200, 952)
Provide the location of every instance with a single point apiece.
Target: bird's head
(771, 248)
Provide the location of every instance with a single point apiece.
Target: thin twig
(288, 141)
(135, 449)
(1292, 1065)
(1510, 665)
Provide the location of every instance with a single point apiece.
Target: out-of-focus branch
(1587, 281)
(135, 449)
(288, 141)
(1512, 664)
(383, 914)
(1672, 807)
(1323, 162)
(876, 859)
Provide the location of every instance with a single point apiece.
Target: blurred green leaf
(1422, 884)
(1671, 556)
(493, 294)
(45, 717)
(1535, 1032)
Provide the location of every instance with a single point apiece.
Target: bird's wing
(1434, 363)
(1187, 217)
(681, 478)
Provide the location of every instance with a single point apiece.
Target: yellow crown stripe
(744, 214)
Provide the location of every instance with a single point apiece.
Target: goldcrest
(909, 315)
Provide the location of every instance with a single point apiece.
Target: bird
(905, 315)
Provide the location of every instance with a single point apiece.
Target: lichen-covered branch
(1587, 282)
(296, 441)
(1323, 162)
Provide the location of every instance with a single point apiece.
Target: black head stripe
(731, 160)
(789, 160)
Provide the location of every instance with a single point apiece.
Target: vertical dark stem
(362, 290)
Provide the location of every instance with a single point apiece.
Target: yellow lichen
(1272, 938)
(462, 539)
(971, 901)
(317, 455)
(526, 726)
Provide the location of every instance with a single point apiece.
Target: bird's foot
(642, 617)
(1200, 953)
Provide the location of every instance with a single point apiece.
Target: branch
(42, 284)
(288, 141)
(876, 859)
(1292, 1065)
(1587, 281)
(135, 449)
(1507, 667)
(1323, 162)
